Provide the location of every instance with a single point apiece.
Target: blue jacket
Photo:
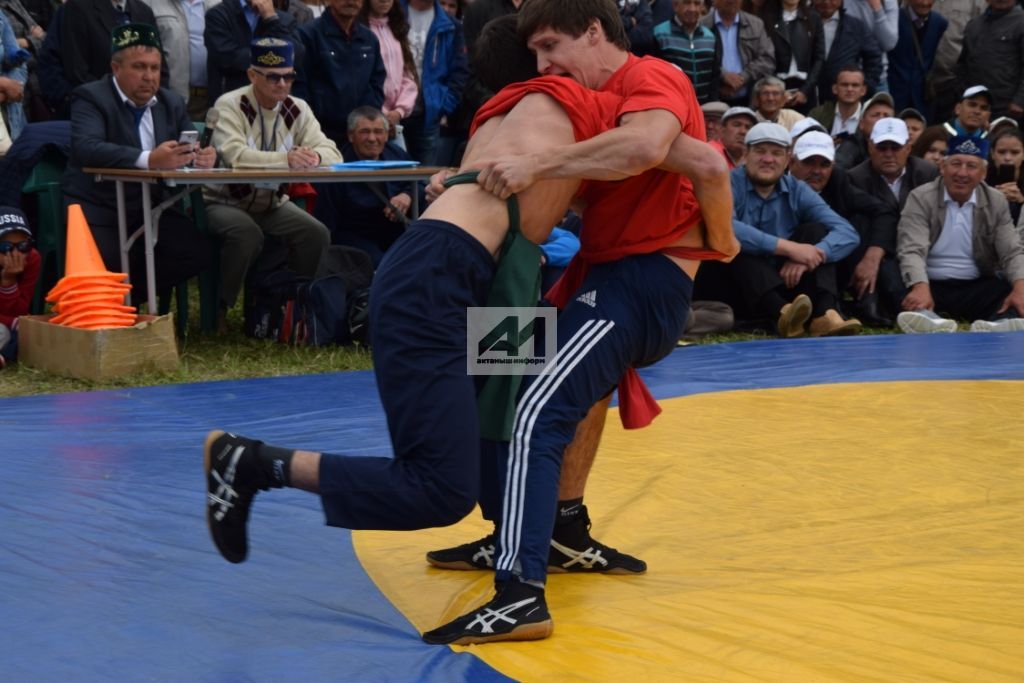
(907, 71)
(339, 74)
(445, 70)
(760, 223)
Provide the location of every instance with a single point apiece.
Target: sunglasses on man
(23, 247)
(276, 77)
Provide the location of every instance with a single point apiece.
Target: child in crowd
(19, 270)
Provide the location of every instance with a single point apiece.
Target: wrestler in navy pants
(627, 313)
(418, 303)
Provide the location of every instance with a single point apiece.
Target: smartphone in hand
(1005, 174)
(189, 137)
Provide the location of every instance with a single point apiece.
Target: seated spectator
(799, 41)
(126, 120)
(85, 35)
(806, 125)
(920, 30)
(790, 243)
(916, 123)
(871, 268)
(19, 270)
(841, 114)
(851, 42)
(960, 253)
(769, 95)
(345, 69)
(713, 112)
(853, 150)
(1007, 154)
(694, 48)
(931, 145)
(387, 20)
(368, 216)
(231, 27)
(639, 23)
(262, 126)
(890, 173)
(736, 122)
(182, 24)
(747, 52)
(971, 113)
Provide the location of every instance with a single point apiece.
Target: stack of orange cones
(88, 296)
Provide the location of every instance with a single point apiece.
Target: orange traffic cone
(88, 296)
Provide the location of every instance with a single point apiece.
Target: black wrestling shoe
(475, 555)
(232, 479)
(574, 551)
(517, 612)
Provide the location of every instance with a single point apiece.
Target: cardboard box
(148, 345)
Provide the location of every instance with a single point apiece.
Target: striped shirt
(693, 53)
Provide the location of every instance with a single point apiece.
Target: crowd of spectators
(392, 79)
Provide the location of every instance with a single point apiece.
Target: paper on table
(371, 164)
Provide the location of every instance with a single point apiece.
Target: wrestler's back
(535, 124)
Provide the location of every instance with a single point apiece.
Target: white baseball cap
(815, 144)
(804, 125)
(768, 132)
(739, 111)
(890, 130)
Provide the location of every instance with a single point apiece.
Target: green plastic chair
(43, 183)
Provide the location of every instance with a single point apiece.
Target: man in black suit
(126, 120)
(851, 42)
(229, 34)
(889, 174)
(85, 28)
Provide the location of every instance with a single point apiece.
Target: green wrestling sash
(516, 284)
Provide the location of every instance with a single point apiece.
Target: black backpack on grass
(270, 305)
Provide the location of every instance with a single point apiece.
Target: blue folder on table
(373, 164)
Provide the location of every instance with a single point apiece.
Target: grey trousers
(241, 237)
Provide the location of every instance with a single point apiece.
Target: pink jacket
(400, 89)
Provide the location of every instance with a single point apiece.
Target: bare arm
(640, 142)
(709, 174)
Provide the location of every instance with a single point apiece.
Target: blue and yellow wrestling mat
(811, 510)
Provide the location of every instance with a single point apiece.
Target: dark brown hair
(500, 56)
(572, 17)
(399, 25)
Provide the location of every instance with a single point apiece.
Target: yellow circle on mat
(854, 532)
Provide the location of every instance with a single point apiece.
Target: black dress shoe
(869, 311)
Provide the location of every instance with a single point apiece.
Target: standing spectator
(639, 24)
(479, 12)
(20, 264)
(53, 83)
(769, 94)
(29, 35)
(440, 55)
(126, 120)
(840, 115)
(942, 79)
(872, 266)
(262, 126)
(747, 52)
(182, 24)
(853, 149)
(881, 17)
(847, 41)
(661, 10)
(971, 114)
(732, 145)
(694, 48)
(13, 75)
(344, 68)
(931, 145)
(799, 41)
(298, 9)
(387, 20)
(920, 31)
(993, 56)
(790, 242)
(1004, 170)
(960, 254)
(231, 26)
(85, 35)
